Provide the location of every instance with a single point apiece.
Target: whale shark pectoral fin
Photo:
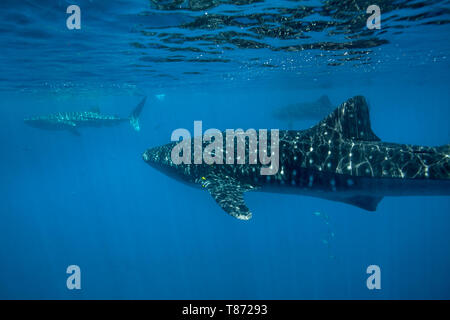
(229, 195)
(71, 127)
(74, 131)
(368, 203)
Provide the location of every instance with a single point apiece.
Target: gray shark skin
(71, 121)
(339, 159)
(315, 110)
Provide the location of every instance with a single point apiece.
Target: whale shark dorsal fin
(350, 121)
(229, 195)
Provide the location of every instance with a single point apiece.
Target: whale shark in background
(71, 121)
(304, 111)
(339, 159)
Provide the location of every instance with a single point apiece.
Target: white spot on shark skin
(333, 185)
(329, 165)
(329, 152)
(311, 161)
(311, 180)
(311, 149)
(295, 158)
(294, 172)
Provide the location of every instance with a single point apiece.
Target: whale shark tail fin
(134, 115)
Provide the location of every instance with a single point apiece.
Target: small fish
(160, 97)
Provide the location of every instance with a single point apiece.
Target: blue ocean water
(91, 200)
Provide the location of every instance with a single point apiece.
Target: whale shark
(314, 110)
(71, 121)
(339, 159)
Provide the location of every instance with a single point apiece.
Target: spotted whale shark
(71, 121)
(339, 159)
